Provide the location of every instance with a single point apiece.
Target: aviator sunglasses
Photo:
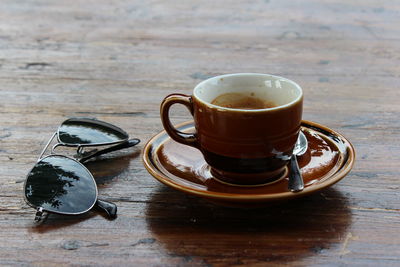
(63, 185)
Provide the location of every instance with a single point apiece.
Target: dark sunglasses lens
(60, 184)
(90, 131)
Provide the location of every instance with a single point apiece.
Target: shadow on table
(104, 170)
(192, 228)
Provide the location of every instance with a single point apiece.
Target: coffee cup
(246, 125)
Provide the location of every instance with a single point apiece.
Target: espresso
(241, 101)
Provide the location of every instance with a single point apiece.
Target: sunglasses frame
(109, 207)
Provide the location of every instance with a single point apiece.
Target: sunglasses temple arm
(109, 207)
(39, 214)
(129, 143)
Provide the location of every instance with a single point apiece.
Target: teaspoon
(296, 182)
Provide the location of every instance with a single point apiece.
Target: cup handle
(180, 137)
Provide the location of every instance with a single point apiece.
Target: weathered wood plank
(117, 60)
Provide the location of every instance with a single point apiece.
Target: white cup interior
(279, 90)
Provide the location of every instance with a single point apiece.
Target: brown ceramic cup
(241, 145)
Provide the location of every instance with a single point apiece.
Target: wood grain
(116, 60)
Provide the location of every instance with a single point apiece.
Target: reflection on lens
(89, 131)
(60, 184)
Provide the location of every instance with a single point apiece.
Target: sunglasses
(63, 185)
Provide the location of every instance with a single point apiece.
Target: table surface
(116, 60)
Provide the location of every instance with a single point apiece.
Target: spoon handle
(296, 183)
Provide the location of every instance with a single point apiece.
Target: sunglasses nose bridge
(53, 148)
(47, 145)
(58, 144)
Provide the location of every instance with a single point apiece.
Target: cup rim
(299, 98)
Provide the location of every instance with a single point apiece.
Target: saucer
(328, 159)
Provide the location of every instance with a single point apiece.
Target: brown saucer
(328, 159)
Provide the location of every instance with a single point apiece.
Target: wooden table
(116, 60)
